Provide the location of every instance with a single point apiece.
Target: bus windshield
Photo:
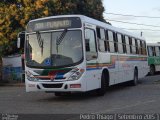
(54, 49)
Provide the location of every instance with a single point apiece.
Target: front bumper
(67, 86)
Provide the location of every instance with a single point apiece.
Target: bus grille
(52, 85)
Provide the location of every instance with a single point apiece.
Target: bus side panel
(109, 61)
(157, 67)
(92, 78)
(144, 70)
(125, 71)
(93, 75)
(127, 67)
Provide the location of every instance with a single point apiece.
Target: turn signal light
(75, 85)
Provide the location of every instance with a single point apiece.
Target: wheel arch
(152, 65)
(135, 68)
(105, 71)
(150, 68)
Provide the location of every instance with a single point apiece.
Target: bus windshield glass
(54, 49)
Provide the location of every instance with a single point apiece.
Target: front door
(91, 58)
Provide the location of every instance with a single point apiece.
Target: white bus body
(105, 50)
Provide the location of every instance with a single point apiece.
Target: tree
(90, 8)
(15, 14)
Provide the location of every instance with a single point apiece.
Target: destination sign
(53, 24)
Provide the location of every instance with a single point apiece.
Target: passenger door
(91, 58)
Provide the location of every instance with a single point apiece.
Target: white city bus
(75, 53)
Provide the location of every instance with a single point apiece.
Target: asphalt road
(143, 98)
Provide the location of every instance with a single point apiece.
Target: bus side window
(154, 51)
(157, 51)
(107, 48)
(133, 46)
(124, 44)
(136, 45)
(115, 42)
(145, 48)
(90, 42)
(101, 39)
(139, 46)
(127, 44)
(130, 44)
(111, 42)
(150, 51)
(120, 44)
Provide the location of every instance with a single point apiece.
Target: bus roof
(153, 44)
(89, 20)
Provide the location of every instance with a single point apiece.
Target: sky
(138, 8)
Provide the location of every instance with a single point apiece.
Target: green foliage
(15, 14)
(90, 8)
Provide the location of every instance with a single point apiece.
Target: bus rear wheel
(152, 70)
(101, 91)
(135, 79)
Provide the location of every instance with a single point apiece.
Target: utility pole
(141, 34)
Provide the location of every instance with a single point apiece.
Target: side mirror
(18, 42)
(20, 39)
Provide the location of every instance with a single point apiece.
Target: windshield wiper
(60, 38)
(40, 41)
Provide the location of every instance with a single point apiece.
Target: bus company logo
(52, 77)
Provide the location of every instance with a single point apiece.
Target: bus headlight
(76, 74)
(31, 77)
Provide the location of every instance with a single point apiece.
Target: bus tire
(135, 78)
(101, 91)
(152, 70)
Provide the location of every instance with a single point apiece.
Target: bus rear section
(153, 57)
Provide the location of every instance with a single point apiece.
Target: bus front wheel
(101, 91)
